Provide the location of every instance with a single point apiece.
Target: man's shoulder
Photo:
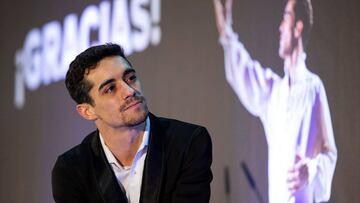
(314, 81)
(181, 137)
(171, 124)
(81, 151)
(178, 123)
(177, 131)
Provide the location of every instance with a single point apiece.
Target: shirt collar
(143, 146)
(299, 70)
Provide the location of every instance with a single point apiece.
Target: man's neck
(291, 61)
(123, 142)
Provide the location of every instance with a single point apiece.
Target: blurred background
(174, 47)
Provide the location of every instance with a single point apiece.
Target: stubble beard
(136, 116)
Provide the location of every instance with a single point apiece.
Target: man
(293, 109)
(133, 156)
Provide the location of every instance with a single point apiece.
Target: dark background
(183, 78)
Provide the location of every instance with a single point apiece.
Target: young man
(133, 156)
(293, 109)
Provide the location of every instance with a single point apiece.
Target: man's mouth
(131, 103)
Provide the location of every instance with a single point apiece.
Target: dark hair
(304, 12)
(75, 81)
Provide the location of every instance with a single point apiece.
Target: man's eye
(131, 78)
(110, 89)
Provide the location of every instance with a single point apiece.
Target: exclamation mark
(19, 80)
(155, 19)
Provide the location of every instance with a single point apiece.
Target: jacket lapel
(154, 163)
(105, 178)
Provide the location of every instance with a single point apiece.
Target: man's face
(286, 43)
(117, 94)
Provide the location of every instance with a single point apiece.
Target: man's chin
(281, 54)
(136, 118)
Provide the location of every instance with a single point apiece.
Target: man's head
(106, 88)
(295, 26)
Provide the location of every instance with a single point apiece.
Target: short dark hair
(75, 81)
(304, 12)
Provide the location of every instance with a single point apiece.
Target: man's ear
(298, 29)
(86, 111)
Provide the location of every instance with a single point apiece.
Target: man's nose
(281, 26)
(127, 90)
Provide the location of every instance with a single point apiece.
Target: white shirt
(296, 120)
(130, 178)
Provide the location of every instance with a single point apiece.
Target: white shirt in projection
(296, 120)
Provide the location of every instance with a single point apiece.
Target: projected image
(293, 109)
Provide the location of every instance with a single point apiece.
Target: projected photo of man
(293, 109)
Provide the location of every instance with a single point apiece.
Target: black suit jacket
(177, 168)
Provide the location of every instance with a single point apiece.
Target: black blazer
(177, 168)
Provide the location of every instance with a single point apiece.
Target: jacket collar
(110, 190)
(108, 186)
(154, 163)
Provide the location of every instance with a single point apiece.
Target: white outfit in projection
(296, 120)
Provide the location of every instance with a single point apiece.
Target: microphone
(251, 181)
(227, 184)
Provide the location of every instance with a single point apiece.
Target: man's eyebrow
(106, 82)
